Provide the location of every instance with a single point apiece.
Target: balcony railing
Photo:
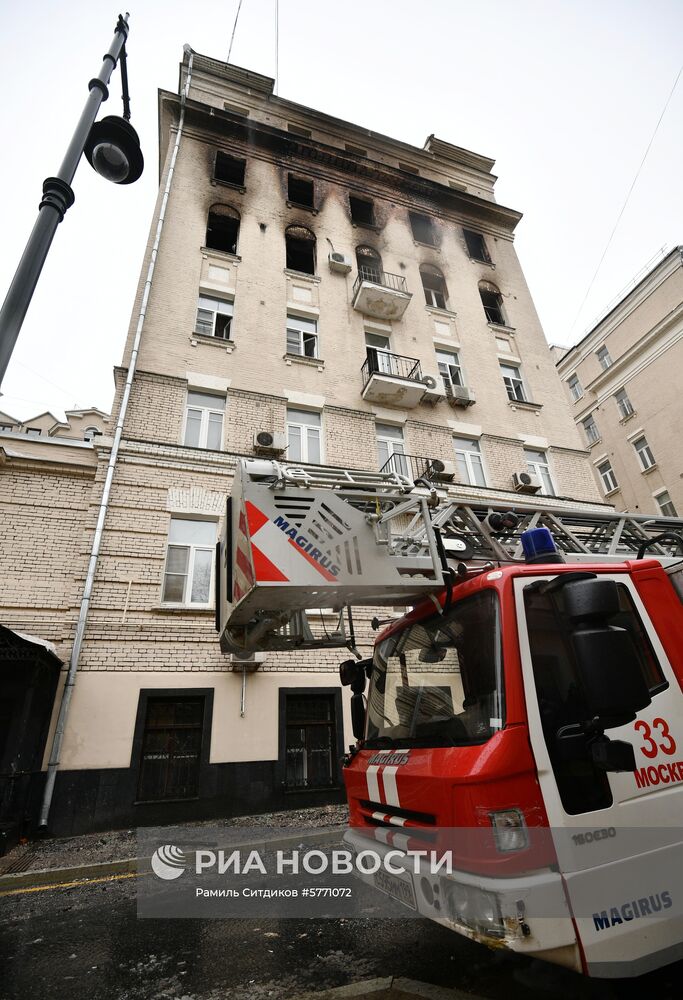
(396, 282)
(415, 467)
(392, 365)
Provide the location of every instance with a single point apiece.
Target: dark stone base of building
(92, 800)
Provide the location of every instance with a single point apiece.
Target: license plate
(396, 887)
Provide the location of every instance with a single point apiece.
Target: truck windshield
(439, 682)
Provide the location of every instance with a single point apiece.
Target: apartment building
(323, 294)
(622, 381)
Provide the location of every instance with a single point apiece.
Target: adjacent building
(622, 381)
(321, 294)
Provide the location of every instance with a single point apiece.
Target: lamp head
(113, 150)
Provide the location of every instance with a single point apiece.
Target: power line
(234, 28)
(626, 201)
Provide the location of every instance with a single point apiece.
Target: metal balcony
(380, 294)
(391, 379)
(414, 467)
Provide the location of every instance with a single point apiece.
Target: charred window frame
(369, 263)
(362, 211)
(300, 249)
(434, 285)
(300, 191)
(476, 246)
(229, 169)
(492, 301)
(424, 230)
(223, 229)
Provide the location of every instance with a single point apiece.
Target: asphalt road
(87, 942)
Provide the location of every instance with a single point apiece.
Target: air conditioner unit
(247, 661)
(267, 441)
(459, 395)
(434, 389)
(442, 472)
(340, 262)
(524, 482)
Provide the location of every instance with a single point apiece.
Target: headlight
(510, 830)
(473, 907)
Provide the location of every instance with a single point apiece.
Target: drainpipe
(58, 737)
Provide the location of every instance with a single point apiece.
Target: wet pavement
(87, 942)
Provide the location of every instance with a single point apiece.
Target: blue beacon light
(539, 546)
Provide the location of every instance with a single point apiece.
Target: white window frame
(512, 383)
(590, 429)
(300, 327)
(608, 476)
(193, 548)
(661, 503)
(206, 413)
(541, 469)
(450, 369)
(306, 432)
(224, 307)
(575, 387)
(466, 455)
(622, 397)
(604, 357)
(394, 445)
(644, 453)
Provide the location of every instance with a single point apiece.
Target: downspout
(70, 682)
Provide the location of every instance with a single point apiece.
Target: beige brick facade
(137, 643)
(635, 395)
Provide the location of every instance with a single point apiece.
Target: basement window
(362, 211)
(229, 169)
(300, 191)
(223, 228)
(423, 228)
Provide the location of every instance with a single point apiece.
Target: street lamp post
(113, 150)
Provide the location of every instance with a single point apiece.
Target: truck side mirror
(352, 673)
(358, 715)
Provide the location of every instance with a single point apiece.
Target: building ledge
(305, 208)
(611, 493)
(625, 420)
(227, 184)
(502, 328)
(646, 472)
(298, 359)
(221, 254)
(302, 276)
(182, 609)
(435, 311)
(526, 405)
(430, 246)
(203, 338)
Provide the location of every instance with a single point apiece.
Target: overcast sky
(564, 94)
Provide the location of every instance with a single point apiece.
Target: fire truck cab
(532, 725)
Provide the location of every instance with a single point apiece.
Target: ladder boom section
(301, 537)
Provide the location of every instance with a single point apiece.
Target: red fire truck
(524, 716)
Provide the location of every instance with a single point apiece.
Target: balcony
(391, 379)
(414, 467)
(379, 294)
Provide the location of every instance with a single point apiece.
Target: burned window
(434, 284)
(223, 228)
(492, 301)
(300, 191)
(300, 243)
(423, 228)
(362, 212)
(369, 264)
(476, 247)
(229, 169)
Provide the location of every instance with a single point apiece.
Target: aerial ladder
(298, 537)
